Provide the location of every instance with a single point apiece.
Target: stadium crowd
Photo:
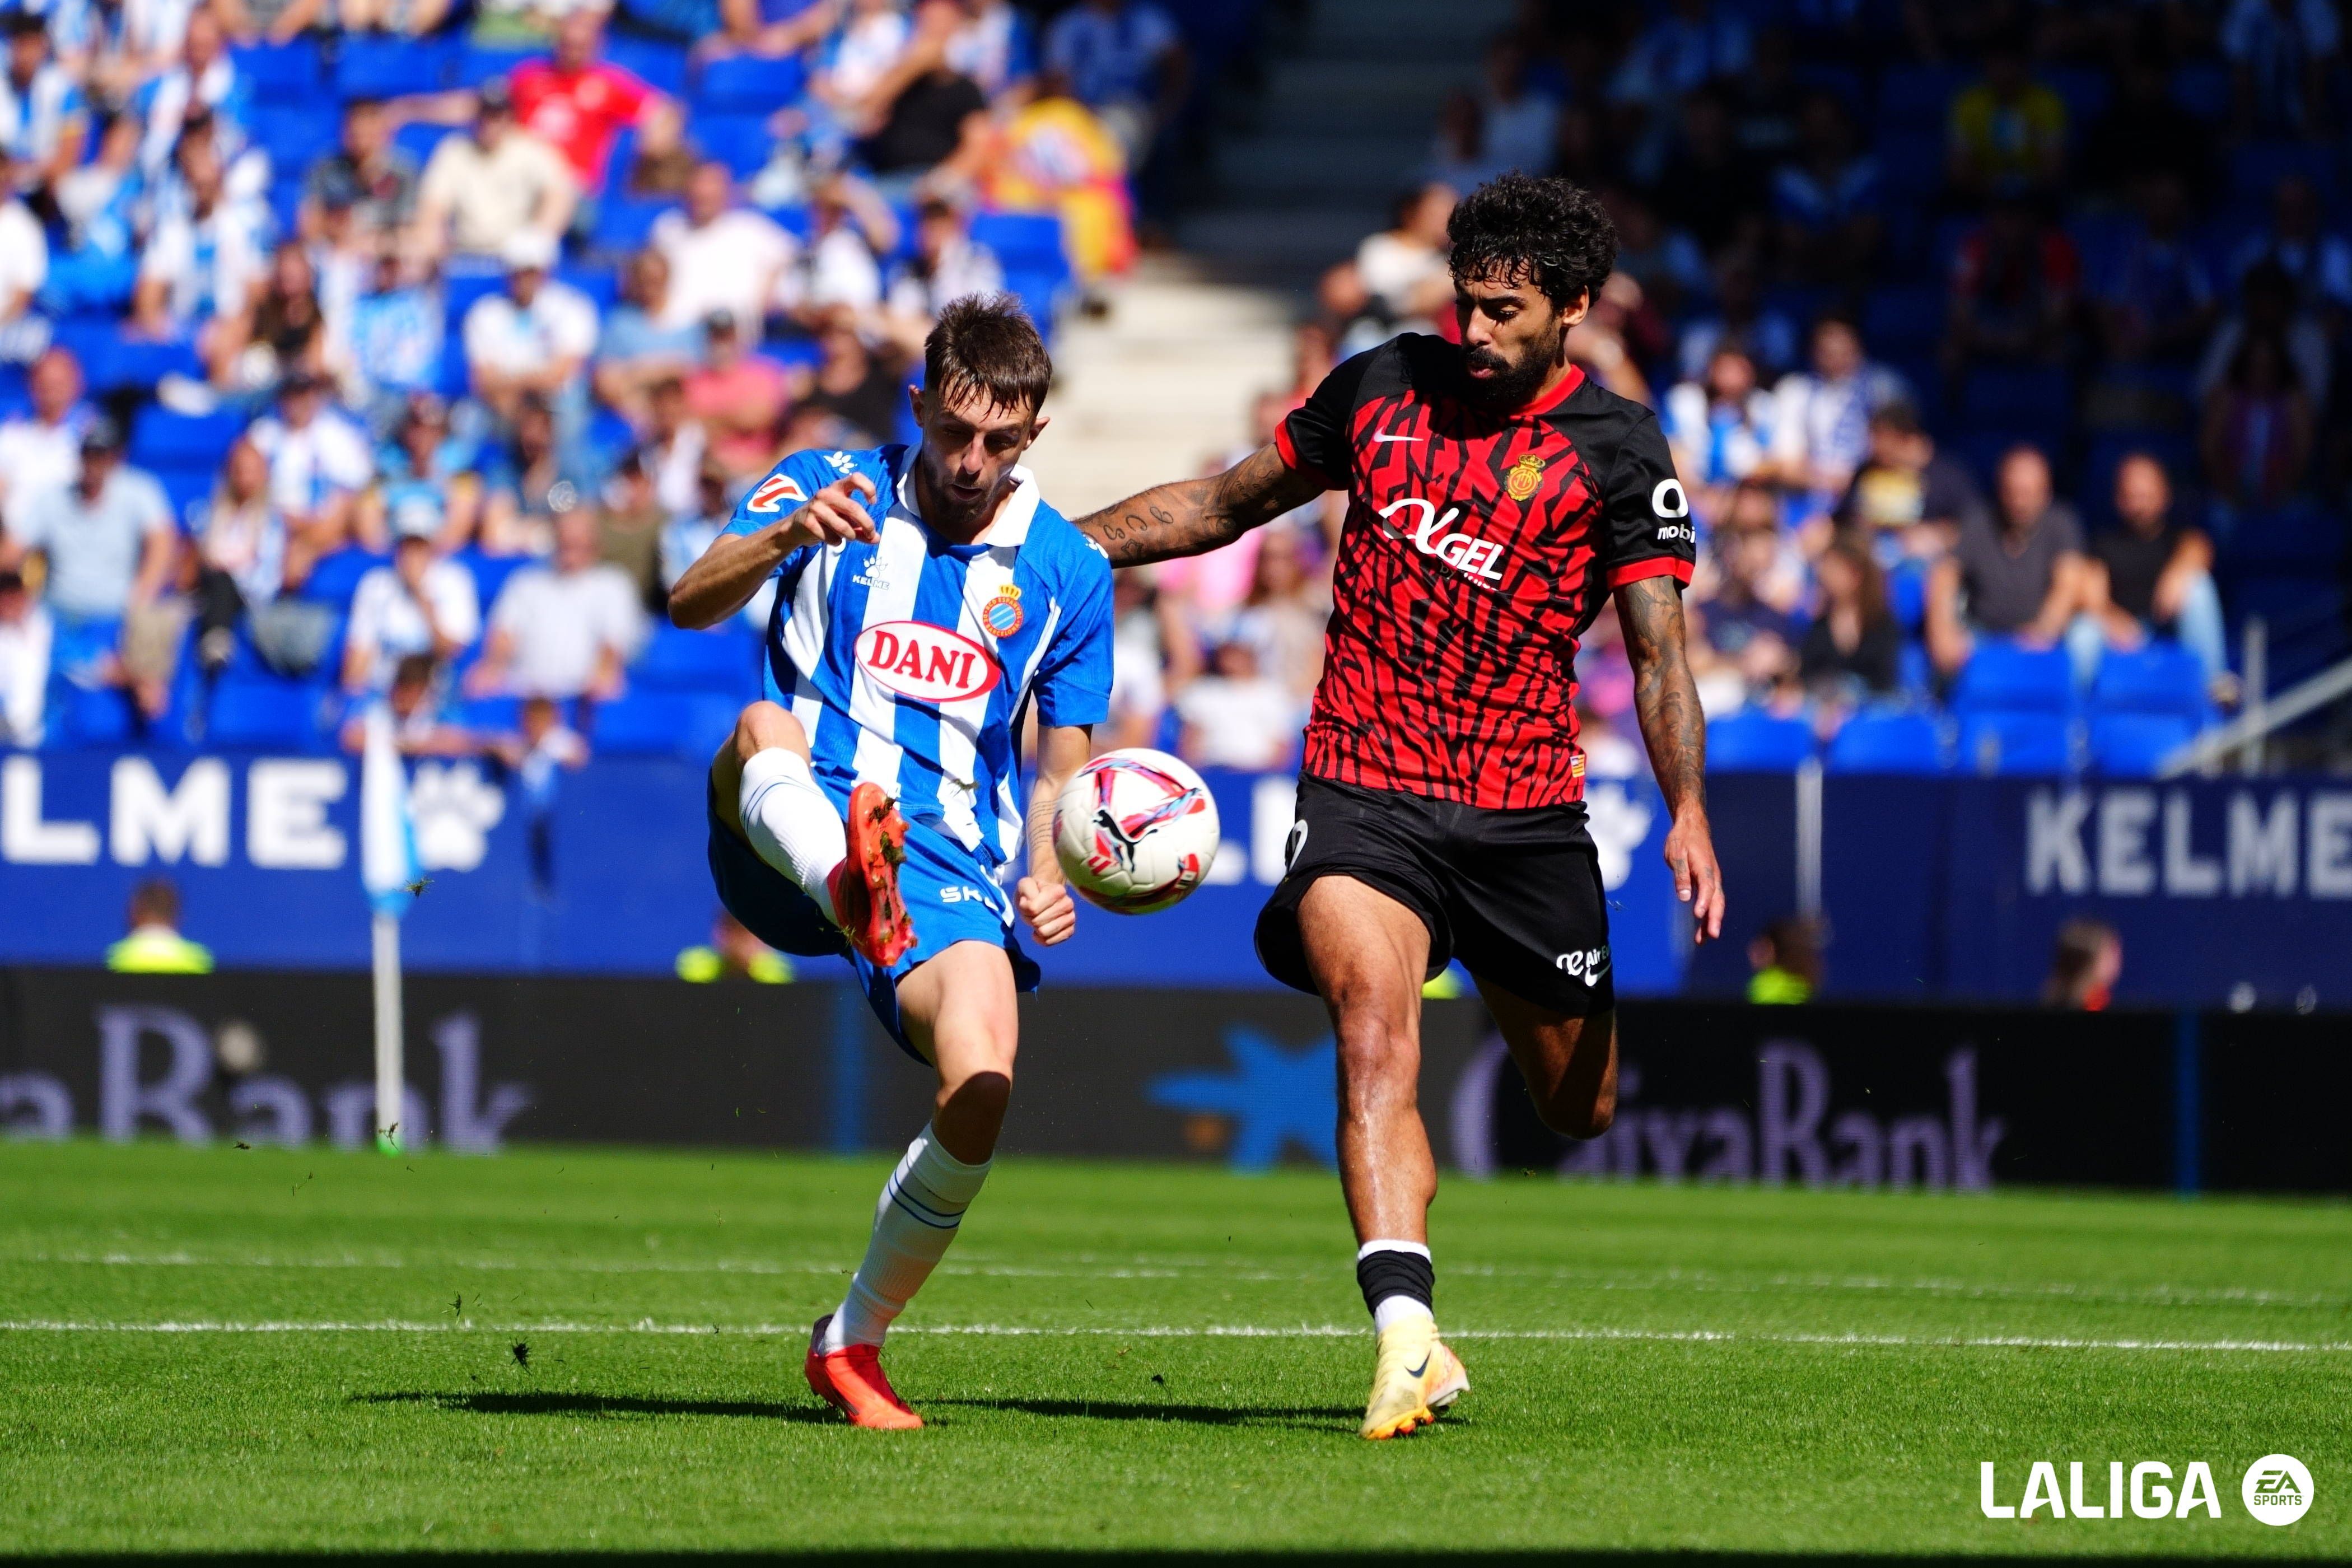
(1995, 343)
(358, 349)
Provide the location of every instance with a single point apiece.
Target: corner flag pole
(388, 870)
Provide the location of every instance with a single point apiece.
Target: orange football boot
(851, 1380)
(865, 887)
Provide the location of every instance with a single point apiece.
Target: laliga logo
(1471, 556)
(928, 663)
(2276, 1490)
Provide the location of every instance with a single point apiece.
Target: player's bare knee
(765, 726)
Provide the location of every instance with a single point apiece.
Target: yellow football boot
(1414, 1377)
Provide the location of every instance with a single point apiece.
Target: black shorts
(1514, 895)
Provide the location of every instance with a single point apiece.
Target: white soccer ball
(1136, 831)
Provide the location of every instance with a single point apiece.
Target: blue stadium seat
(162, 439)
(185, 484)
(1916, 673)
(749, 84)
(476, 64)
(336, 577)
(490, 573)
(1903, 320)
(1752, 740)
(390, 68)
(2010, 742)
(740, 142)
(488, 715)
(600, 284)
(1021, 239)
(645, 723)
(2015, 679)
(2029, 400)
(461, 288)
(82, 717)
(2133, 745)
(265, 714)
(419, 140)
(272, 70)
(2298, 536)
(724, 661)
(623, 222)
(2160, 678)
(1917, 95)
(2257, 167)
(1895, 741)
(659, 64)
(1907, 595)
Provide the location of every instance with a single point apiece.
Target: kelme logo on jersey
(1525, 476)
(1467, 554)
(1002, 615)
(774, 491)
(928, 663)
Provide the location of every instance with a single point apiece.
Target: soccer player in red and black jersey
(1496, 495)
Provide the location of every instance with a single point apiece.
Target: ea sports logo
(928, 663)
(2277, 1488)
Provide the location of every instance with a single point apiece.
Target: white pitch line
(1302, 1330)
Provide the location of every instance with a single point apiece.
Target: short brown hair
(986, 343)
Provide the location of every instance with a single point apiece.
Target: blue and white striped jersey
(909, 660)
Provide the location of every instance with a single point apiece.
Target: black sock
(1387, 1272)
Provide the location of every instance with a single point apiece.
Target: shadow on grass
(1197, 1414)
(484, 1403)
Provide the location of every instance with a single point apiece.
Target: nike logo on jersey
(1379, 440)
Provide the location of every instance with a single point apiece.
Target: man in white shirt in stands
(566, 629)
(319, 463)
(42, 450)
(535, 338)
(490, 181)
(723, 255)
(23, 268)
(422, 603)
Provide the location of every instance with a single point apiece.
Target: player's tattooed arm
(1195, 515)
(1665, 698)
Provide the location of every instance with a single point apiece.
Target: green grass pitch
(1126, 1358)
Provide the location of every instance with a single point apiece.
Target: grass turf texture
(664, 1300)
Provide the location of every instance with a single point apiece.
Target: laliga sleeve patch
(774, 491)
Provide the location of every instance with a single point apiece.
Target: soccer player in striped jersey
(870, 805)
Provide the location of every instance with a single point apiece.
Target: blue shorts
(950, 895)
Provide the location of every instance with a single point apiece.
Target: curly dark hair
(1552, 231)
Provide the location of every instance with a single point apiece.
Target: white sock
(922, 1204)
(790, 823)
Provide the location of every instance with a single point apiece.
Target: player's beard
(1512, 385)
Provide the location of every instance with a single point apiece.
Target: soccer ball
(1135, 830)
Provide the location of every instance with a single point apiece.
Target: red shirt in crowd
(579, 113)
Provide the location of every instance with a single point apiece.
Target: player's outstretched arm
(1650, 609)
(1191, 516)
(1044, 895)
(723, 581)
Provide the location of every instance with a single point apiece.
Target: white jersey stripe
(897, 570)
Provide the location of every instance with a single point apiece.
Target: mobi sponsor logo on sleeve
(2276, 1489)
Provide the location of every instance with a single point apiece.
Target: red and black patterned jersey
(1478, 547)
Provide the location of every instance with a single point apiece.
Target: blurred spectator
(737, 397)
(543, 745)
(534, 340)
(2085, 964)
(1693, 43)
(994, 44)
(2157, 302)
(1056, 157)
(26, 633)
(273, 21)
(734, 954)
(1786, 958)
(1907, 498)
(2154, 573)
(413, 19)
(152, 944)
(1458, 155)
(1768, 101)
(2008, 131)
(865, 41)
(110, 547)
(1745, 630)
(932, 133)
(1146, 638)
(2147, 130)
(673, 446)
(565, 629)
(44, 115)
(637, 349)
(1768, 336)
(2296, 242)
(2268, 308)
(723, 255)
(529, 483)
(1520, 122)
(849, 226)
(1399, 275)
(630, 519)
(578, 102)
(1828, 199)
(371, 175)
(1821, 417)
(2255, 432)
(319, 462)
(2279, 52)
(243, 564)
(1720, 429)
(204, 261)
(98, 200)
(23, 269)
(2019, 573)
(41, 448)
(279, 330)
(1710, 186)
(394, 340)
(1281, 620)
(1853, 650)
(427, 483)
(423, 604)
(947, 265)
(691, 531)
(865, 388)
(1666, 262)
(748, 27)
(416, 697)
(1236, 715)
(491, 181)
(2015, 285)
(1125, 61)
(203, 87)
